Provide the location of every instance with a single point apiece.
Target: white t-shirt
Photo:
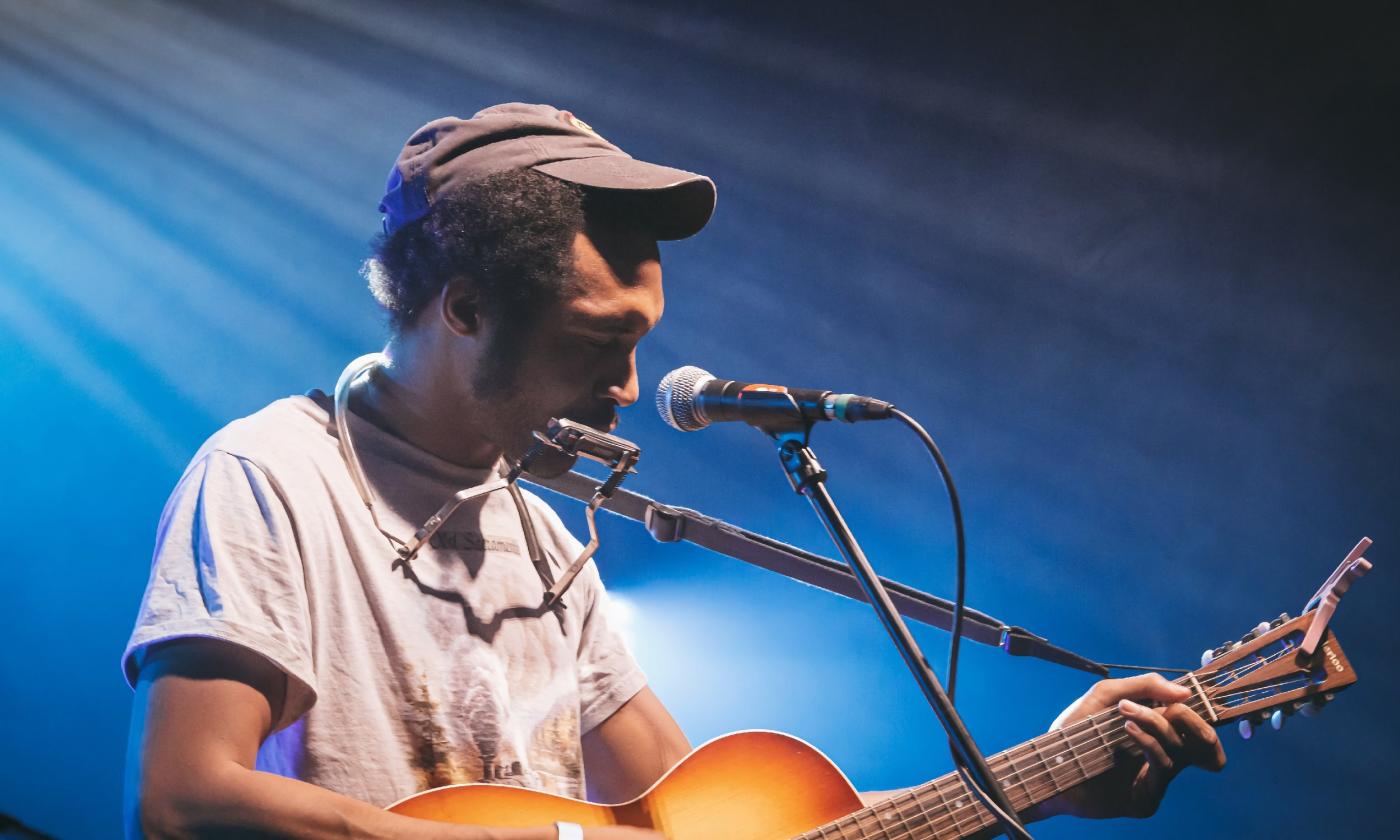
(394, 685)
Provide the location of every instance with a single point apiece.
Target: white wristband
(569, 831)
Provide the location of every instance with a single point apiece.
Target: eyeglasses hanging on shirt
(554, 452)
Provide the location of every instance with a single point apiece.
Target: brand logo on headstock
(1333, 658)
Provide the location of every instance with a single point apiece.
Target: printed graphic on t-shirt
(471, 541)
(475, 733)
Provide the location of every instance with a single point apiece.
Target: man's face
(577, 359)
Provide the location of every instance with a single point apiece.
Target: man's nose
(626, 391)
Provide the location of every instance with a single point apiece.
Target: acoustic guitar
(762, 785)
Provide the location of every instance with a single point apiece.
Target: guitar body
(744, 786)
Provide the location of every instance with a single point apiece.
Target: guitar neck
(1030, 773)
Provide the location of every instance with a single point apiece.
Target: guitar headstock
(1282, 666)
(1267, 675)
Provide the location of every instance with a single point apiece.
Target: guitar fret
(948, 803)
(885, 813)
(854, 819)
(907, 817)
(1074, 754)
(923, 810)
(1015, 777)
(1045, 771)
(1047, 766)
(1057, 771)
(877, 813)
(831, 826)
(840, 829)
(968, 802)
(1107, 746)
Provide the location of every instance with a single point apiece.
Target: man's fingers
(1148, 789)
(1151, 747)
(1154, 723)
(1202, 742)
(1143, 686)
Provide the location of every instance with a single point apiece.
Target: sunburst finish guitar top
(744, 786)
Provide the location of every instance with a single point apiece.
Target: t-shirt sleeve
(608, 676)
(227, 567)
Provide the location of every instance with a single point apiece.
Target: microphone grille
(675, 398)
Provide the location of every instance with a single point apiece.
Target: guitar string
(874, 816)
(880, 817)
(1071, 735)
(1097, 763)
(913, 809)
(1035, 786)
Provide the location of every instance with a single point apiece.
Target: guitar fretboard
(1030, 773)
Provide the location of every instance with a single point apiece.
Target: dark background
(1134, 267)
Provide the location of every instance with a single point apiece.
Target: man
(292, 679)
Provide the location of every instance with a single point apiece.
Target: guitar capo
(1325, 600)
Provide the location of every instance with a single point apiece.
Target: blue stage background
(1134, 269)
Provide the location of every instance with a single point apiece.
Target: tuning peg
(1246, 728)
(1280, 621)
(1259, 629)
(1313, 707)
(1206, 656)
(1277, 718)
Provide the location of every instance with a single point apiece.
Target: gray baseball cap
(449, 152)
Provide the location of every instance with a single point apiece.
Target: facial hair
(496, 381)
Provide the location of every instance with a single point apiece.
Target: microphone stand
(808, 479)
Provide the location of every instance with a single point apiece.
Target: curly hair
(512, 234)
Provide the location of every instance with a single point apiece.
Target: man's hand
(1172, 737)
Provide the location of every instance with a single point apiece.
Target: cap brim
(679, 202)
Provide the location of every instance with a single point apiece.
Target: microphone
(689, 399)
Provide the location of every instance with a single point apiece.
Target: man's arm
(625, 754)
(628, 752)
(202, 709)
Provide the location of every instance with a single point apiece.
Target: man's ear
(460, 307)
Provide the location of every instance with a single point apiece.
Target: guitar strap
(667, 523)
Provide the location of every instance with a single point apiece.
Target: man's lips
(604, 419)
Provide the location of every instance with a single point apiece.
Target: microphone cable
(1011, 823)
(960, 587)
